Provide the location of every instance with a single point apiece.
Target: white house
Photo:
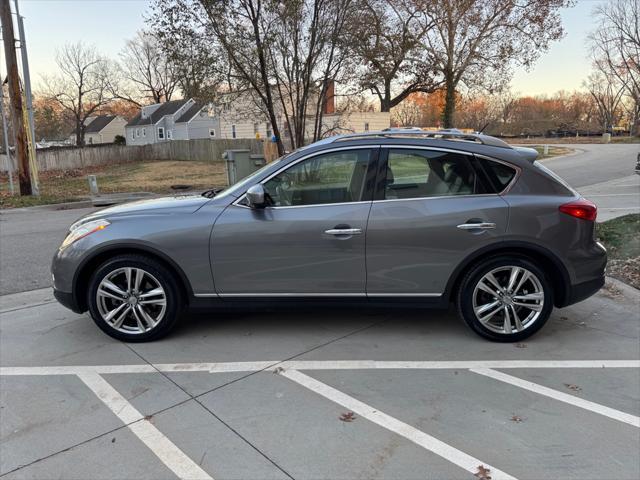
(174, 120)
(235, 115)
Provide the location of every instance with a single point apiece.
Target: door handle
(477, 226)
(343, 231)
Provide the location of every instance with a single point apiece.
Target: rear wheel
(134, 298)
(506, 299)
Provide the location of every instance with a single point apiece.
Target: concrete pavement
(307, 395)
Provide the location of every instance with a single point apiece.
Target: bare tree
(388, 37)
(305, 58)
(199, 63)
(475, 42)
(616, 47)
(82, 86)
(286, 55)
(145, 66)
(407, 114)
(607, 91)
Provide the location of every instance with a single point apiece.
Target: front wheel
(505, 299)
(134, 298)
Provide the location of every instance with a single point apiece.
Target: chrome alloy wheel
(508, 299)
(131, 300)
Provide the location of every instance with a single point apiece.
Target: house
(240, 118)
(174, 120)
(102, 129)
(235, 115)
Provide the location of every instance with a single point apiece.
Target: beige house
(102, 129)
(241, 118)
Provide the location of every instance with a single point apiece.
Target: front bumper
(68, 300)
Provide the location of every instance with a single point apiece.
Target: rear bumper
(67, 299)
(580, 291)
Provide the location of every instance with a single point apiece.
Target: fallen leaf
(148, 417)
(278, 370)
(516, 418)
(348, 417)
(113, 440)
(573, 387)
(483, 473)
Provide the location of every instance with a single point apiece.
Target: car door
(432, 208)
(310, 240)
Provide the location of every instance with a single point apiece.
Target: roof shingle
(167, 108)
(99, 123)
(190, 113)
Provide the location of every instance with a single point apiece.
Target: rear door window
(429, 173)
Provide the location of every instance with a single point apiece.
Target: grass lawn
(158, 177)
(554, 151)
(621, 236)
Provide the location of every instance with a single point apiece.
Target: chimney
(330, 100)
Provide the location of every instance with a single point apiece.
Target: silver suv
(391, 217)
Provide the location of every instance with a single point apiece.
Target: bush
(119, 140)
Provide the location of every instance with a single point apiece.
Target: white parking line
(221, 367)
(436, 365)
(416, 436)
(561, 396)
(158, 443)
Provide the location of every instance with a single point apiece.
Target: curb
(622, 286)
(96, 202)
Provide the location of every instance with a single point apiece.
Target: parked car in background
(638, 164)
(403, 217)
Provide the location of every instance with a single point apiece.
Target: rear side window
(498, 174)
(429, 173)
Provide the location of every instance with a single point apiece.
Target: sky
(107, 24)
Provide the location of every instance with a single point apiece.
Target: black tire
(467, 288)
(158, 272)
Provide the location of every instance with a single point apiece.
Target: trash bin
(241, 164)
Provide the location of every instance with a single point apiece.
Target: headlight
(82, 230)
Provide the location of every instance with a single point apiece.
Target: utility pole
(5, 131)
(28, 96)
(15, 99)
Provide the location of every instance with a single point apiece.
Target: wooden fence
(203, 150)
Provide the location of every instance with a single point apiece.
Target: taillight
(581, 208)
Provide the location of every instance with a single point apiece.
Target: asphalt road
(595, 163)
(29, 237)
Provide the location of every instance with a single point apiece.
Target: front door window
(336, 177)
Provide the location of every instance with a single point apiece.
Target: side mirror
(256, 196)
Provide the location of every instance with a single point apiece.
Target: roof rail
(447, 134)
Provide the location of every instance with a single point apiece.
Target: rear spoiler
(527, 153)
